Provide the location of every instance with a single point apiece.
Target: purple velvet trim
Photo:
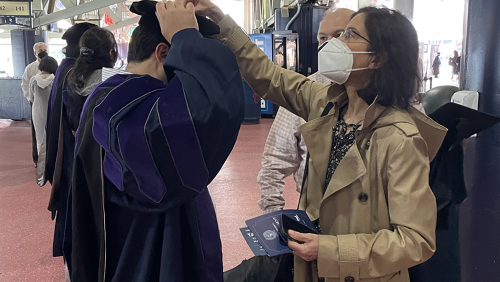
(135, 150)
(179, 130)
(66, 62)
(119, 122)
(111, 82)
(210, 237)
(127, 88)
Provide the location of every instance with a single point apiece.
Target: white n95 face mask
(335, 60)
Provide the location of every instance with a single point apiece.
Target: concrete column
(480, 213)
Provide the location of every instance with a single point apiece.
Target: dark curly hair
(95, 46)
(394, 40)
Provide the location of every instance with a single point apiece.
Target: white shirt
(284, 154)
(109, 72)
(30, 71)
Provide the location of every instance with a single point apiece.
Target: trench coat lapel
(317, 135)
(319, 145)
(351, 167)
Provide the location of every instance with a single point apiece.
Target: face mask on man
(42, 54)
(335, 60)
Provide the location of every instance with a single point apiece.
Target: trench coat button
(367, 145)
(363, 197)
(349, 279)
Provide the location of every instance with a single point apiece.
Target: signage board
(15, 8)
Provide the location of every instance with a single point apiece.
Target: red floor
(26, 228)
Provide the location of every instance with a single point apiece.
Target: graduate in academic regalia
(59, 140)
(148, 144)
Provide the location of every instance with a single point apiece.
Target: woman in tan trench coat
(370, 198)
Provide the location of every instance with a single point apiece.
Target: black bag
(262, 269)
(265, 268)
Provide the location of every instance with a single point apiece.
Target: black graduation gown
(144, 156)
(58, 133)
(63, 116)
(54, 115)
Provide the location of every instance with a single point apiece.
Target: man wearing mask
(40, 51)
(285, 150)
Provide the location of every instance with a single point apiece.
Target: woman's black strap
(325, 112)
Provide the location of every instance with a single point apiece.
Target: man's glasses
(349, 33)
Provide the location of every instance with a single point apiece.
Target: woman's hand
(207, 9)
(174, 17)
(307, 251)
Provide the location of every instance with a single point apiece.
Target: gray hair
(38, 44)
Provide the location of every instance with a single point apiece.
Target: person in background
(367, 187)
(40, 51)
(59, 139)
(98, 50)
(457, 68)
(285, 150)
(435, 65)
(453, 64)
(40, 87)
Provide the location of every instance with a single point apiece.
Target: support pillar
(480, 213)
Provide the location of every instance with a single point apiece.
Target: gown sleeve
(286, 88)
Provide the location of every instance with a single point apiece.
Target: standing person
(454, 64)
(40, 87)
(59, 140)
(40, 51)
(285, 150)
(98, 49)
(367, 186)
(148, 144)
(436, 64)
(457, 68)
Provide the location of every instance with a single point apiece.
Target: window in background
(235, 8)
(55, 48)
(6, 65)
(348, 4)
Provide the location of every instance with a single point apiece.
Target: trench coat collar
(318, 134)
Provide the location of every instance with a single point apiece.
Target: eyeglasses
(348, 34)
